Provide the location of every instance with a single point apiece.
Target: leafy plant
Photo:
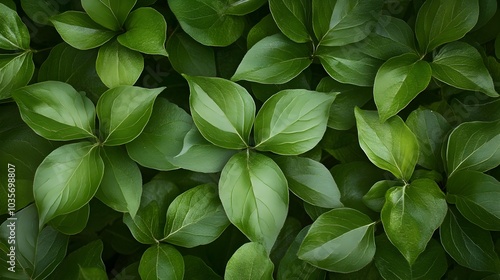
(306, 139)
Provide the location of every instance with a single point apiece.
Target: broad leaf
(195, 217)
(375, 197)
(80, 31)
(390, 146)
(146, 32)
(56, 111)
(161, 261)
(411, 214)
(274, 60)
(123, 113)
(475, 195)
(190, 57)
(198, 269)
(264, 28)
(222, 110)
(40, 11)
(293, 18)
(108, 13)
(292, 122)
(14, 35)
(399, 80)
(340, 240)
(15, 72)
(460, 65)
(287, 234)
(254, 193)
(249, 262)
(117, 65)
(72, 223)
(243, 7)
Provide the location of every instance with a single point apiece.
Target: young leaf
(80, 31)
(123, 113)
(399, 80)
(292, 122)
(161, 261)
(83, 258)
(375, 197)
(274, 60)
(475, 195)
(222, 110)
(460, 65)
(56, 111)
(117, 65)
(195, 217)
(67, 179)
(390, 146)
(254, 193)
(293, 18)
(443, 21)
(249, 262)
(15, 72)
(72, 223)
(146, 32)
(340, 240)
(468, 244)
(108, 13)
(411, 214)
(14, 35)
(190, 57)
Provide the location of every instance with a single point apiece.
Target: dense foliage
(250, 139)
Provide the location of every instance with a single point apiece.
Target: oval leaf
(292, 18)
(72, 223)
(15, 72)
(14, 35)
(249, 262)
(108, 13)
(161, 261)
(85, 258)
(190, 57)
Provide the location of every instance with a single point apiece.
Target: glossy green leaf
(195, 217)
(342, 145)
(476, 111)
(311, 181)
(190, 57)
(197, 269)
(123, 113)
(162, 137)
(249, 262)
(411, 214)
(399, 80)
(80, 31)
(390, 146)
(257, 206)
(274, 60)
(243, 7)
(146, 32)
(468, 244)
(375, 197)
(161, 261)
(222, 110)
(108, 13)
(293, 18)
(287, 234)
(15, 72)
(487, 10)
(340, 240)
(72, 223)
(474, 146)
(14, 35)
(83, 258)
(281, 127)
(475, 195)
(40, 11)
(117, 65)
(443, 21)
(460, 65)
(264, 28)
(56, 111)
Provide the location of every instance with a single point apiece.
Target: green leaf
(162, 138)
(411, 214)
(497, 47)
(338, 23)
(222, 110)
(399, 80)
(340, 240)
(254, 193)
(123, 113)
(287, 234)
(293, 18)
(15, 72)
(443, 21)
(146, 32)
(108, 13)
(92, 273)
(56, 111)
(9, 3)
(198, 269)
(274, 60)
(475, 195)
(14, 35)
(117, 65)
(265, 27)
(375, 197)
(431, 264)
(474, 146)
(195, 217)
(311, 181)
(390, 146)
(243, 7)
(431, 130)
(292, 122)
(67, 179)
(121, 185)
(85, 257)
(468, 244)
(72, 223)
(249, 262)
(161, 261)
(460, 65)
(212, 26)
(80, 31)
(40, 11)
(190, 57)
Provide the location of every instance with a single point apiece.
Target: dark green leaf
(497, 47)
(265, 27)
(487, 9)
(108, 13)
(72, 223)
(14, 35)
(375, 197)
(161, 261)
(190, 57)
(243, 7)
(197, 269)
(40, 11)
(15, 72)
(287, 234)
(293, 18)
(342, 145)
(249, 262)
(476, 110)
(85, 257)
